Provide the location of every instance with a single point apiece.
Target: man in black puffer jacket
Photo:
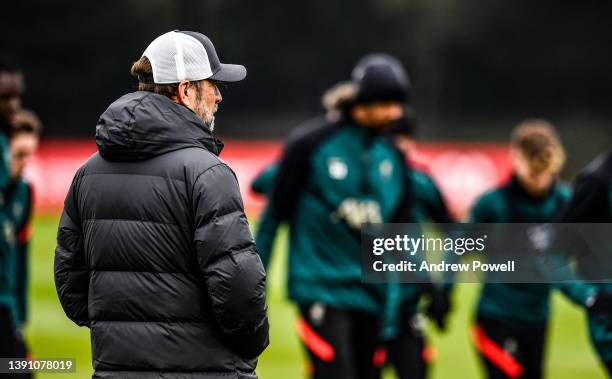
(154, 251)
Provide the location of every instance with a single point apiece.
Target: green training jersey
(523, 305)
(332, 178)
(592, 203)
(8, 243)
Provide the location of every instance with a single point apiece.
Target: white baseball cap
(184, 55)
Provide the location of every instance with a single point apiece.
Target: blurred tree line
(478, 67)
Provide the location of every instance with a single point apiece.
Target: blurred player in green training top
(24, 138)
(337, 173)
(402, 328)
(512, 318)
(11, 88)
(592, 203)
(336, 101)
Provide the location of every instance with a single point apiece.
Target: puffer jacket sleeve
(227, 256)
(71, 273)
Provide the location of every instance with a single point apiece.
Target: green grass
(50, 334)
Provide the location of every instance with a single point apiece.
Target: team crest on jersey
(337, 168)
(540, 236)
(357, 212)
(385, 168)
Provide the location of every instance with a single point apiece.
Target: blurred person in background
(512, 318)
(407, 350)
(335, 174)
(11, 89)
(592, 203)
(336, 102)
(154, 252)
(24, 137)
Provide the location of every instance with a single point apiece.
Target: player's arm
(436, 207)
(581, 293)
(264, 182)
(5, 163)
(390, 325)
(589, 202)
(22, 281)
(439, 295)
(578, 292)
(71, 273)
(266, 234)
(487, 209)
(290, 179)
(268, 224)
(23, 246)
(227, 256)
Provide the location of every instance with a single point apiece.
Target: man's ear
(183, 93)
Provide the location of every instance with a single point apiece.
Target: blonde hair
(538, 142)
(336, 98)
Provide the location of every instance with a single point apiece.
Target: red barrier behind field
(462, 170)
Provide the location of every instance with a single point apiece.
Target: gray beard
(211, 125)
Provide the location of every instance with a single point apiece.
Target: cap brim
(230, 73)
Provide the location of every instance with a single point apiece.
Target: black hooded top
(154, 251)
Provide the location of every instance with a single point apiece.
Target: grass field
(52, 335)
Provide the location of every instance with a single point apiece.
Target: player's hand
(439, 306)
(600, 303)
